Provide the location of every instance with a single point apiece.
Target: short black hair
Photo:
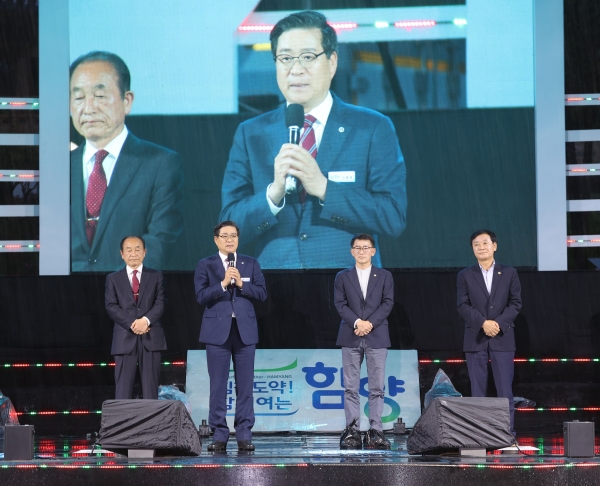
(223, 224)
(123, 75)
(363, 237)
(133, 236)
(309, 19)
(491, 234)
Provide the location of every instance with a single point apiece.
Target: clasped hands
(490, 328)
(363, 328)
(296, 161)
(140, 326)
(232, 273)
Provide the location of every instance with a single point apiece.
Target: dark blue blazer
(216, 321)
(122, 309)
(476, 305)
(355, 140)
(377, 306)
(144, 198)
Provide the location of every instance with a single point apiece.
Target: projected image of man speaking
(299, 202)
(120, 184)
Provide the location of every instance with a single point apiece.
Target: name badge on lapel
(342, 176)
(245, 279)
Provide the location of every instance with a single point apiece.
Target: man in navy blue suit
(356, 182)
(134, 299)
(489, 300)
(364, 297)
(227, 284)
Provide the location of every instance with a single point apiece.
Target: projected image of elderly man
(348, 165)
(120, 184)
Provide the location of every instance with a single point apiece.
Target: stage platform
(301, 459)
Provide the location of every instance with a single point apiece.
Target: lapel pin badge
(499, 273)
(341, 129)
(374, 275)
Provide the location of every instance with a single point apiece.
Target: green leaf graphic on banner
(269, 370)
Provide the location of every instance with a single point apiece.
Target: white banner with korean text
(303, 390)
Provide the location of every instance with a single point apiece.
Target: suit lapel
(124, 282)
(123, 173)
(276, 133)
(496, 277)
(353, 277)
(336, 132)
(146, 276)
(373, 280)
(479, 279)
(77, 196)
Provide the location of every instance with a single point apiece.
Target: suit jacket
(476, 305)
(375, 308)
(216, 321)
(355, 140)
(122, 309)
(144, 198)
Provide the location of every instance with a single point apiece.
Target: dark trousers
(503, 367)
(218, 358)
(125, 368)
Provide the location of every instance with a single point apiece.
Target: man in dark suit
(119, 183)
(349, 162)
(364, 297)
(134, 299)
(227, 284)
(488, 300)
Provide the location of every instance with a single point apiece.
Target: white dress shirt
(226, 266)
(363, 281)
(139, 277)
(321, 113)
(488, 276)
(89, 159)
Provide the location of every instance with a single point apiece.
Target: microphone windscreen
(231, 257)
(294, 115)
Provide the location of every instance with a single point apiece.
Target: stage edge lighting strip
(19, 104)
(34, 413)
(183, 363)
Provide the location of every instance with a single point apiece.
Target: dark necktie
(135, 286)
(309, 143)
(95, 195)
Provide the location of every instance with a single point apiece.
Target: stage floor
(302, 459)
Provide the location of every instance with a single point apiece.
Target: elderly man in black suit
(119, 183)
(489, 300)
(134, 299)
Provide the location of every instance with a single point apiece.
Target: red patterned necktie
(135, 285)
(309, 143)
(95, 195)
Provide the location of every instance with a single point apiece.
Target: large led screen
(429, 137)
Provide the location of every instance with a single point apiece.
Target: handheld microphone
(294, 120)
(231, 261)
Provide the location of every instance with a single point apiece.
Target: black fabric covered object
(461, 423)
(148, 424)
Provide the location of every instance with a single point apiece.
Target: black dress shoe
(374, 439)
(245, 445)
(350, 438)
(217, 445)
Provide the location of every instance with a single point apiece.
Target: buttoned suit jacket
(476, 305)
(220, 305)
(144, 198)
(123, 310)
(355, 140)
(375, 308)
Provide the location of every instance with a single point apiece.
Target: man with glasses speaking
(227, 284)
(343, 173)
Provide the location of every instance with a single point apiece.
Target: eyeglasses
(226, 237)
(362, 248)
(305, 59)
